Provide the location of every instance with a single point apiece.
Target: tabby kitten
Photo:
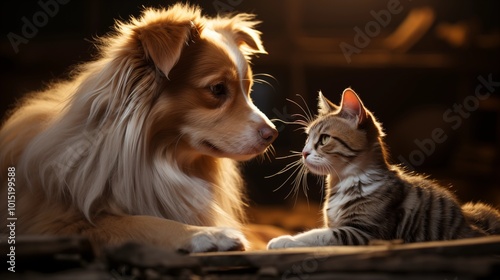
(366, 197)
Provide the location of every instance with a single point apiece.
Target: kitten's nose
(305, 154)
(268, 133)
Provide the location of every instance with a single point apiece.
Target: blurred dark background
(415, 64)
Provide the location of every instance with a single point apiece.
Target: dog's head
(204, 99)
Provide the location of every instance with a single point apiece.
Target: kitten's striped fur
(369, 199)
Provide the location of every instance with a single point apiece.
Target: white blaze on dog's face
(210, 87)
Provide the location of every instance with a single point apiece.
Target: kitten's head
(343, 140)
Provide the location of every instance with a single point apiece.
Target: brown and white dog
(140, 144)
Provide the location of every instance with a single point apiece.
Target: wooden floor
(73, 258)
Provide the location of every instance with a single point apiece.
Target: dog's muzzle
(268, 134)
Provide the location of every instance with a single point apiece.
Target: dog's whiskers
(267, 154)
(263, 81)
(270, 151)
(265, 75)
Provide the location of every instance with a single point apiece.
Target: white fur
(220, 239)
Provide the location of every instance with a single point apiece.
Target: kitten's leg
(321, 237)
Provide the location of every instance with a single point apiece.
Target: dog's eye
(218, 89)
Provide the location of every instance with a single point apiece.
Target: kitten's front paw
(285, 241)
(215, 239)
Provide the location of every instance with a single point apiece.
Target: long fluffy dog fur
(140, 143)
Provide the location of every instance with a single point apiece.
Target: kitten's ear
(325, 106)
(352, 107)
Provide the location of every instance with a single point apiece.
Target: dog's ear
(163, 42)
(246, 36)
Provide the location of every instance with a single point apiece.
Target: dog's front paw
(285, 241)
(214, 239)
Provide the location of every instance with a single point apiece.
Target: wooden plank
(465, 259)
(474, 246)
(473, 257)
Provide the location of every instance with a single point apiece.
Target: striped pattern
(369, 199)
(399, 206)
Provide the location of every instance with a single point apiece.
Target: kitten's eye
(219, 89)
(324, 139)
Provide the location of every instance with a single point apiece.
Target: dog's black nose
(268, 133)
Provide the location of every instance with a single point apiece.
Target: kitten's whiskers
(299, 170)
(307, 116)
(286, 168)
(294, 154)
